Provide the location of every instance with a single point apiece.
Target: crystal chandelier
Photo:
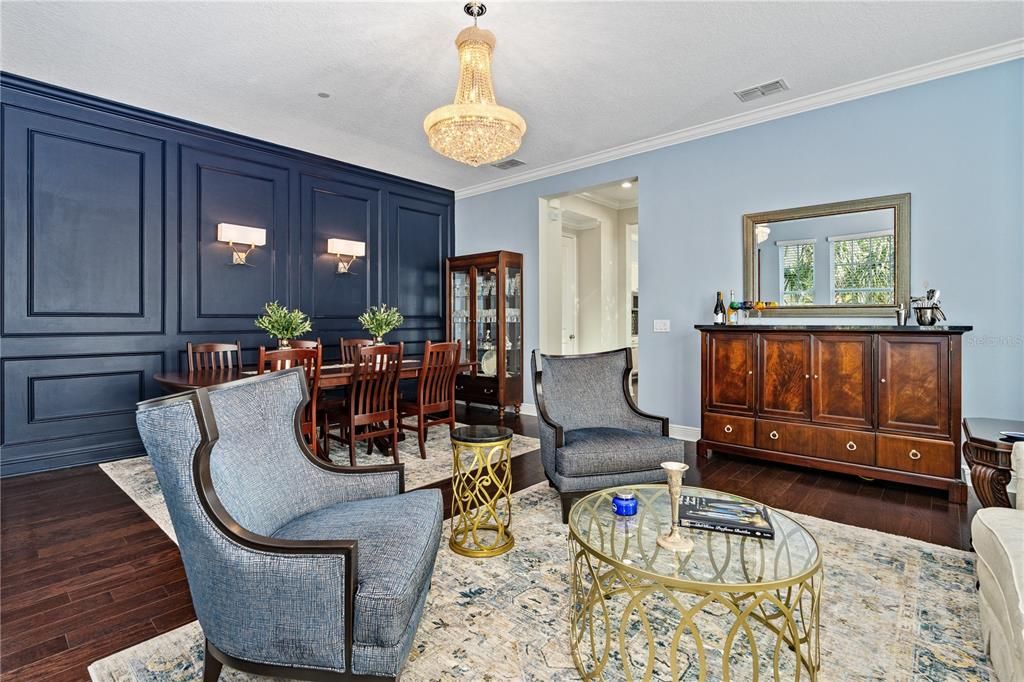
(475, 129)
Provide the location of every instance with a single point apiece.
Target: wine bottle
(719, 310)
(734, 307)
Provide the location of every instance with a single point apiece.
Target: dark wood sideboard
(875, 401)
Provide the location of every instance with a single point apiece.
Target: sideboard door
(785, 361)
(730, 372)
(842, 387)
(913, 384)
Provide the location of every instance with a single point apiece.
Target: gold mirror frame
(899, 202)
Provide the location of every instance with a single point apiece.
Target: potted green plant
(283, 324)
(379, 320)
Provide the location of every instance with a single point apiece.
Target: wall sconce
(345, 247)
(253, 236)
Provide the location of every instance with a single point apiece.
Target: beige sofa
(998, 537)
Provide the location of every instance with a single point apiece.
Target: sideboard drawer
(785, 437)
(728, 429)
(857, 447)
(917, 455)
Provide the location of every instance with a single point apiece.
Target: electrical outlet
(662, 326)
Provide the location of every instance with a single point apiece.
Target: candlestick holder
(675, 540)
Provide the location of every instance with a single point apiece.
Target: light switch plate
(662, 326)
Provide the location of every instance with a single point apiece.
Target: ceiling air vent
(508, 163)
(762, 90)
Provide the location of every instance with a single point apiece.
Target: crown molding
(968, 61)
(607, 203)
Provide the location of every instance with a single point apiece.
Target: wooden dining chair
(435, 391)
(213, 355)
(350, 349)
(372, 403)
(311, 360)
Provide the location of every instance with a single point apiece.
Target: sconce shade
(240, 234)
(346, 247)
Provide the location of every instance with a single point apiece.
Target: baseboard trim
(690, 433)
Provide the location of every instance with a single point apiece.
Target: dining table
(331, 375)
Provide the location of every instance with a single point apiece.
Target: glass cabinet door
(460, 309)
(513, 321)
(487, 321)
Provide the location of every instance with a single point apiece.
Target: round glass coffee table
(733, 608)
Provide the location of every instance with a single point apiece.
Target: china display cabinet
(485, 313)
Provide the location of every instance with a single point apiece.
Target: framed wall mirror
(845, 259)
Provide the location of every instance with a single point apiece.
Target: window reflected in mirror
(824, 258)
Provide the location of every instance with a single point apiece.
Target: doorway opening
(589, 270)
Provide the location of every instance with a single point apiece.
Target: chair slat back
(303, 343)
(350, 349)
(310, 359)
(213, 355)
(436, 390)
(373, 395)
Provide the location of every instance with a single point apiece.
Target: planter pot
(284, 343)
(378, 340)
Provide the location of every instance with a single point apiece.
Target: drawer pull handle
(914, 454)
(728, 428)
(883, 380)
(851, 446)
(774, 435)
(807, 376)
(750, 371)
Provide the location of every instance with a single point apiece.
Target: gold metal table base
(481, 498)
(626, 624)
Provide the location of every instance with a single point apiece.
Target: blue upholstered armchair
(298, 568)
(592, 434)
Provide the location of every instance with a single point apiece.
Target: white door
(569, 302)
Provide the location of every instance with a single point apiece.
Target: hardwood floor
(86, 573)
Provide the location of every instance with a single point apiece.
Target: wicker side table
(481, 491)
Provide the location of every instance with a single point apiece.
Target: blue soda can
(624, 503)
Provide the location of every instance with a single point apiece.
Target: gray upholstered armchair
(298, 568)
(592, 434)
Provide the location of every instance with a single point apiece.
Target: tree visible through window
(797, 273)
(863, 269)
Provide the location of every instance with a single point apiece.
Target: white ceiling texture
(589, 77)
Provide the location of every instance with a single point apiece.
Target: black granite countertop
(877, 328)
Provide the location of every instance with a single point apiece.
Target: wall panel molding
(111, 264)
(83, 227)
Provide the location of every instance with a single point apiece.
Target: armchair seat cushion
(398, 539)
(604, 450)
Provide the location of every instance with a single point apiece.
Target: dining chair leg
(352, 446)
(421, 433)
(394, 440)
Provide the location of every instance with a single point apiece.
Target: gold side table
(731, 608)
(481, 491)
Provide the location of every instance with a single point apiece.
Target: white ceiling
(587, 76)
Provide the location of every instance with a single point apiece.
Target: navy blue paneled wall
(111, 263)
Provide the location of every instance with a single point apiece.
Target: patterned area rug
(893, 609)
(135, 476)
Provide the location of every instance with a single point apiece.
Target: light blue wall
(956, 144)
